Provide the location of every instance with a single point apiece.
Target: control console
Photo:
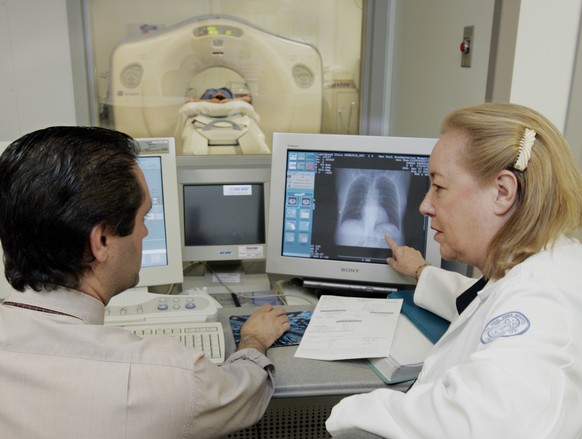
(141, 307)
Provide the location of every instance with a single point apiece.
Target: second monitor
(224, 213)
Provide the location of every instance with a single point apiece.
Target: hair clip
(525, 146)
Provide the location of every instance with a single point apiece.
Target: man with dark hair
(72, 208)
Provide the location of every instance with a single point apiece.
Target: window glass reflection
(222, 79)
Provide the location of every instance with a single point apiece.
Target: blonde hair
(550, 188)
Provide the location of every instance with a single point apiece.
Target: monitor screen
(335, 197)
(224, 207)
(155, 244)
(209, 218)
(161, 255)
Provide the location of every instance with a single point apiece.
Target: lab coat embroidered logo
(505, 325)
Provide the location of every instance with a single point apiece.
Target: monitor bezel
(227, 169)
(356, 273)
(172, 272)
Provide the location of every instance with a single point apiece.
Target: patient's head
(220, 96)
(213, 94)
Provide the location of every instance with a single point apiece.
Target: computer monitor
(162, 252)
(335, 197)
(223, 207)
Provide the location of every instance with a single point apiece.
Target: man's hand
(405, 260)
(265, 326)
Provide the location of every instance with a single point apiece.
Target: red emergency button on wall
(467, 46)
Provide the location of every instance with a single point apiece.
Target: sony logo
(350, 270)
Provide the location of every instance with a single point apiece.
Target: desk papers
(343, 328)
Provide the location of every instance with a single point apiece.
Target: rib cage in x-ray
(371, 205)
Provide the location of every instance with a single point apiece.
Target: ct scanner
(153, 77)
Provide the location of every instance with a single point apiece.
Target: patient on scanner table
(231, 127)
(220, 96)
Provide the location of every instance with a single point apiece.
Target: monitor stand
(365, 290)
(240, 276)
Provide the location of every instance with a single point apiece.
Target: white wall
(547, 37)
(573, 126)
(9, 120)
(4, 285)
(545, 75)
(428, 80)
(35, 79)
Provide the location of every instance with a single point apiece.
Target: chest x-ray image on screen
(371, 204)
(349, 201)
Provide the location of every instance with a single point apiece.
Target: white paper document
(343, 328)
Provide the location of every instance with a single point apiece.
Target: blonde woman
(505, 197)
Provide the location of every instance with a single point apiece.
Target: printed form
(343, 328)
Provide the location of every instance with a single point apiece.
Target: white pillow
(230, 108)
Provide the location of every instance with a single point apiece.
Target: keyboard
(187, 317)
(206, 336)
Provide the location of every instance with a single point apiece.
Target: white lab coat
(509, 366)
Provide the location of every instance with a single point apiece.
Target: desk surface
(301, 377)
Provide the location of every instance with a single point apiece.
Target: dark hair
(56, 184)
